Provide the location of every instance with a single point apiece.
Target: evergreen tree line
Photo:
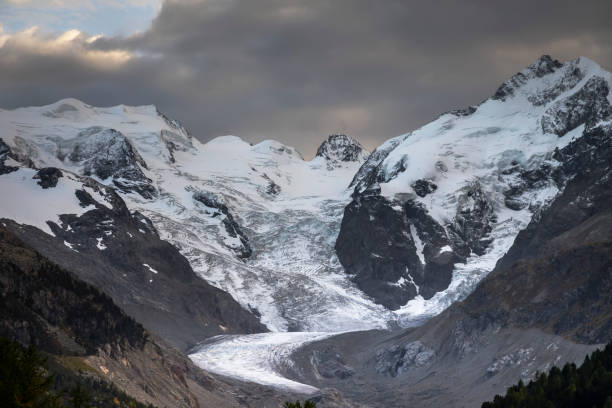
(298, 404)
(588, 386)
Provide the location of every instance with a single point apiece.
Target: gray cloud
(298, 70)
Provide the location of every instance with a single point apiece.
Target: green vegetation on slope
(28, 379)
(588, 386)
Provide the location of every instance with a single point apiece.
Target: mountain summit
(340, 148)
(434, 209)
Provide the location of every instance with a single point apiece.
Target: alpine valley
(439, 269)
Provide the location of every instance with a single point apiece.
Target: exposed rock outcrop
(340, 148)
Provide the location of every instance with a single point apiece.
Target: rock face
(239, 241)
(105, 153)
(341, 148)
(121, 253)
(558, 274)
(437, 200)
(256, 221)
(48, 177)
(37, 294)
(4, 154)
(587, 106)
(394, 250)
(396, 359)
(330, 364)
(543, 66)
(423, 187)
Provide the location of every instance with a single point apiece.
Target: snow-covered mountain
(433, 210)
(345, 241)
(257, 221)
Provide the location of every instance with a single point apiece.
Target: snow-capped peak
(342, 148)
(256, 220)
(546, 79)
(472, 178)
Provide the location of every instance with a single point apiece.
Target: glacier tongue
(257, 357)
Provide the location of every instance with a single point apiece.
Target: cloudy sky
(291, 70)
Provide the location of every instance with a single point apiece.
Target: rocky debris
(397, 359)
(520, 357)
(5, 154)
(328, 363)
(423, 187)
(441, 363)
(233, 229)
(104, 153)
(587, 106)
(340, 148)
(332, 398)
(48, 177)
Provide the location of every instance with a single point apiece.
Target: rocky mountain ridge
(453, 194)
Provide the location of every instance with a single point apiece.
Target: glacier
(260, 222)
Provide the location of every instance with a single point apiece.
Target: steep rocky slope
(88, 336)
(546, 302)
(91, 232)
(433, 210)
(83, 329)
(558, 274)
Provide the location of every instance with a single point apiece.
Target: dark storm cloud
(298, 70)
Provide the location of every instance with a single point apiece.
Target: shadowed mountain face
(122, 254)
(558, 274)
(37, 295)
(85, 333)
